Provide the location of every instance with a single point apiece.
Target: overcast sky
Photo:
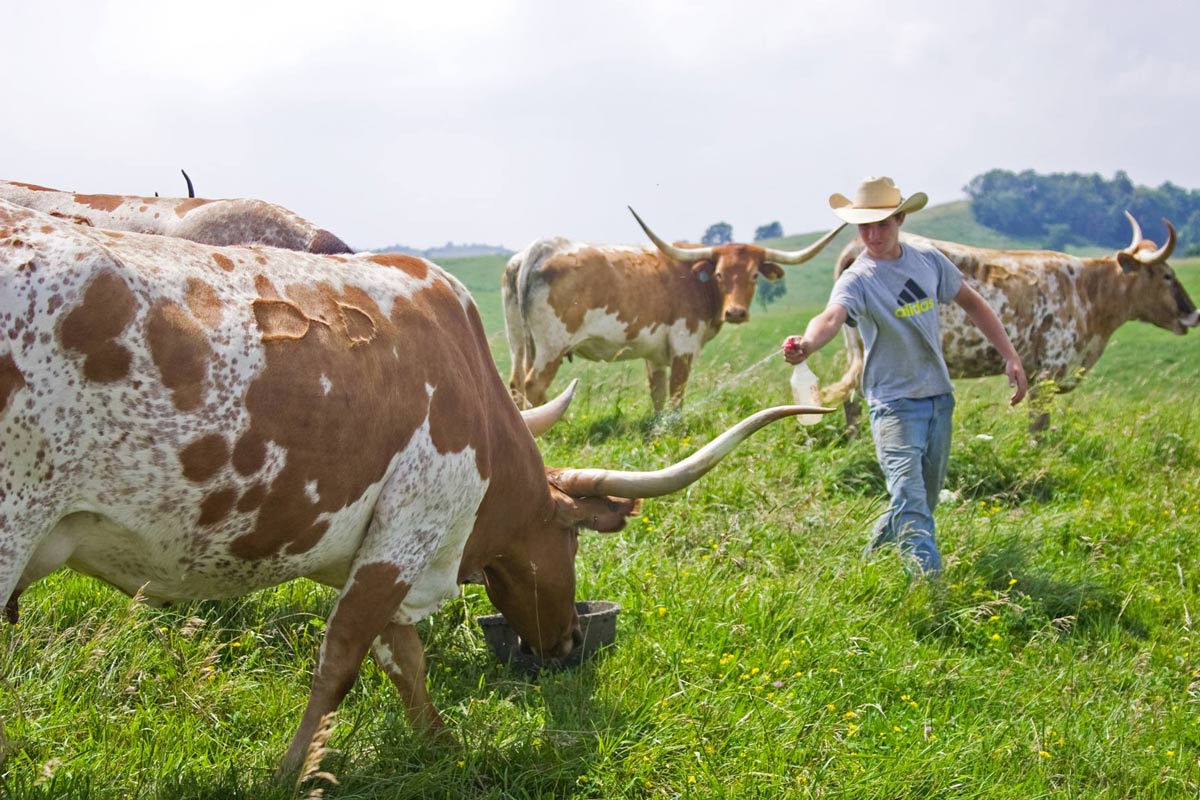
(500, 121)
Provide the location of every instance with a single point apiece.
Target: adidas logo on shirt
(912, 300)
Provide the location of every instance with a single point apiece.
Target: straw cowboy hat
(876, 200)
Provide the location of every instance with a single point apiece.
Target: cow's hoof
(1039, 423)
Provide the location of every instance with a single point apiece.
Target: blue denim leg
(912, 443)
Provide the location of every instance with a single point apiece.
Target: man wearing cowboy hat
(891, 293)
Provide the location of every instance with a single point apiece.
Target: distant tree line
(722, 233)
(717, 233)
(1062, 209)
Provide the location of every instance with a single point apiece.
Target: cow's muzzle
(561, 650)
(736, 314)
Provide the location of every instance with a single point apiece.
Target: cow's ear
(1128, 263)
(703, 270)
(604, 514)
(771, 272)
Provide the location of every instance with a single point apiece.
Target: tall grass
(759, 654)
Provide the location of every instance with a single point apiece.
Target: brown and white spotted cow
(201, 422)
(564, 298)
(219, 222)
(1059, 310)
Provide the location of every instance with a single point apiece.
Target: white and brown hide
(218, 222)
(661, 304)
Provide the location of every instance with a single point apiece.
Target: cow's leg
(402, 656)
(538, 381)
(367, 603)
(681, 368)
(51, 553)
(656, 374)
(1042, 392)
(31, 557)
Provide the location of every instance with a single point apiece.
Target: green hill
(951, 222)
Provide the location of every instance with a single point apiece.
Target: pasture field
(758, 656)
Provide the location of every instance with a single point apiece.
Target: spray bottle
(806, 391)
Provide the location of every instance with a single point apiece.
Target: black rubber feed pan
(597, 620)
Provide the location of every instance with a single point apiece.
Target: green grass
(759, 655)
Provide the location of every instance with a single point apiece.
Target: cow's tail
(843, 391)
(851, 380)
(515, 324)
(523, 270)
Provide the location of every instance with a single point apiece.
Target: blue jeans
(912, 443)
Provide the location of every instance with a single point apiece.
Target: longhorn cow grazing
(564, 298)
(1059, 310)
(217, 222)
(200, 422)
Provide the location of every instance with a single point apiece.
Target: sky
(499, 121)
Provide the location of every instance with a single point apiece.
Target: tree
(1057, 236)
(772, 230)
(718, 233)
(768, 292)
(1190, 232)
(1076, 208)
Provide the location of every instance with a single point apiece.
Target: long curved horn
(594, 482)
(677, 253)
(1163, 253)
(541, 419)
(800, 256)
(1137, 234)
(191, 191)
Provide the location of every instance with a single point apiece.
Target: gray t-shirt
(894, 306)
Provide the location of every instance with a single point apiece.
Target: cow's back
(216, 222)
(1035, 294)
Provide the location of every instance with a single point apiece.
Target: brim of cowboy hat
(844, 207)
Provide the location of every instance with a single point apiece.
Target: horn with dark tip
(677, 253)
(541, 419)
(596, 482)
(800, 256)
(1163, 253)
(1137, 234)
(191, 191)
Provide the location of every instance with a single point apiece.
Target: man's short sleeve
(949, 277)
(847, 293)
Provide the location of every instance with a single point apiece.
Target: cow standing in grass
(1059, 310)
(188, 422)
(662, 304)
(219, 222)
